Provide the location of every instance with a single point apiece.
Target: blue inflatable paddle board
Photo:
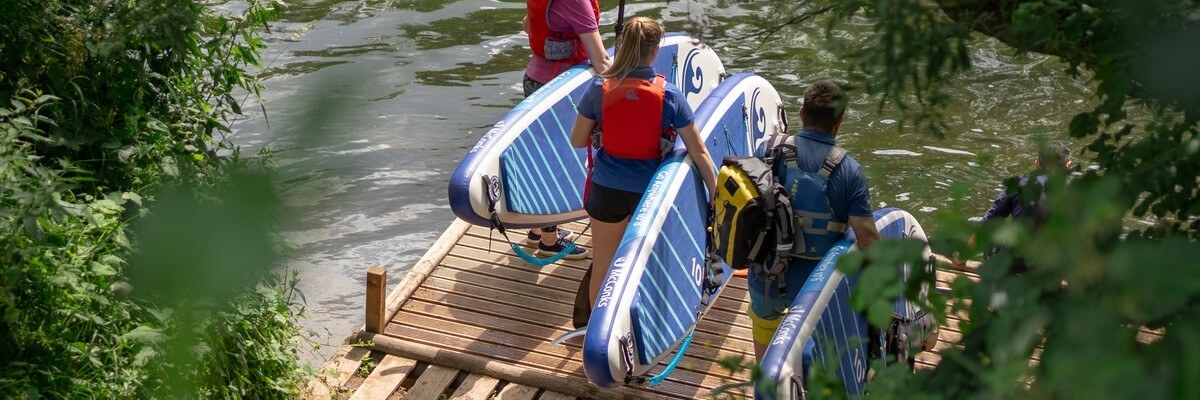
(525, 170)
(659, 284)
(821, 328)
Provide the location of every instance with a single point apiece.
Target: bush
(111, 117)
(1118, 250)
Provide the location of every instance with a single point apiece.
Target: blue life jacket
(813, 217)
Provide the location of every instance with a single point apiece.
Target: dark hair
(823, 104)
(1053, 155)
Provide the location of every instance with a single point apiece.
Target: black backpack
(752, 215)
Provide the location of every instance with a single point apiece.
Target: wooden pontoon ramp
(473, 321)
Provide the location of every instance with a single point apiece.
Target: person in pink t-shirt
(562, 33)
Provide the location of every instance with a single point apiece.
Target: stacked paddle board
(821, 328)
(660, 283)
(524, 171)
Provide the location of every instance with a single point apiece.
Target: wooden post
(376, 292)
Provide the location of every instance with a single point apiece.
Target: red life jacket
(539, 29)
(632, 112)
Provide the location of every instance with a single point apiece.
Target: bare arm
(525, 23)
(582, 130)
(864, 231)
(595, 50)
(699, 154)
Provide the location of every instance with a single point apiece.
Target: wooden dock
(473, 321)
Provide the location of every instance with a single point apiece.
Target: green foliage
(108, 112)
(1092, 283)
(1116, 252)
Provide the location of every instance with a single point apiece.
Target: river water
(371, 104)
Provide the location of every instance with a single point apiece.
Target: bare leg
(549, 235)
(605, 238)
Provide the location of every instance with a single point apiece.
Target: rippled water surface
(371, 104)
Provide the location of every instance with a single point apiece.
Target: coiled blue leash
(542, 262)
(662, 376)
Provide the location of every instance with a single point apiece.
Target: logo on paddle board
(758, 117)
(693, 75)
(787, 329)
(487, 137)
(610, 284)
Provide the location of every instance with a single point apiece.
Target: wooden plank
(512, 306)
(560, 306)
(432, 383)
(580, 235)
(376, 287)
(514, 391)
(488, 318)
(532, 289)
(490, 309)
(534, 327)
(425, 265)
(552, 395)
(495, 247)
(518, 282)
(476, 387)
(461, 262)
(500, 254)
(537, 355)
(705, 347)
(502, 368)
(336, 373)
(386, 377)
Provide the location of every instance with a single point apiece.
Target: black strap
(779, 150)
(620, 26)
(491, 187)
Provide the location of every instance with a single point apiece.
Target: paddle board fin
(577, 332)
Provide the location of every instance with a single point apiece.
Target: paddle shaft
(620, 26)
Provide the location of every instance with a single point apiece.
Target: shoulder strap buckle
(832, 160)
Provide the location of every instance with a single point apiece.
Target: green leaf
(144, 334)
(103, 269)
(169, 167)
(133, 197)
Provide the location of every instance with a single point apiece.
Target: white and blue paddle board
(525, 167)
(655, 291)
(821, 328)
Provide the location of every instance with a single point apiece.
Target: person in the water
(1024, 201)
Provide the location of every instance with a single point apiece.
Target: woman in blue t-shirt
(637, 109)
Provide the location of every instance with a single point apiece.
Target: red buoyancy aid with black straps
(632, 112)
(539, 30)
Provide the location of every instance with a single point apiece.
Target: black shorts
(610, 205)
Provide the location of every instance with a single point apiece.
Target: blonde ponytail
(638, 41)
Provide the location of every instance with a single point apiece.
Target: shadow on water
(372, 103)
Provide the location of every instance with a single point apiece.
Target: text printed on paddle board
(788, 328)
(697, 272)
(487, 137)
(610, 283)
(643, 213)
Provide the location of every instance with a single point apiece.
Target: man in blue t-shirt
(845, 201)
